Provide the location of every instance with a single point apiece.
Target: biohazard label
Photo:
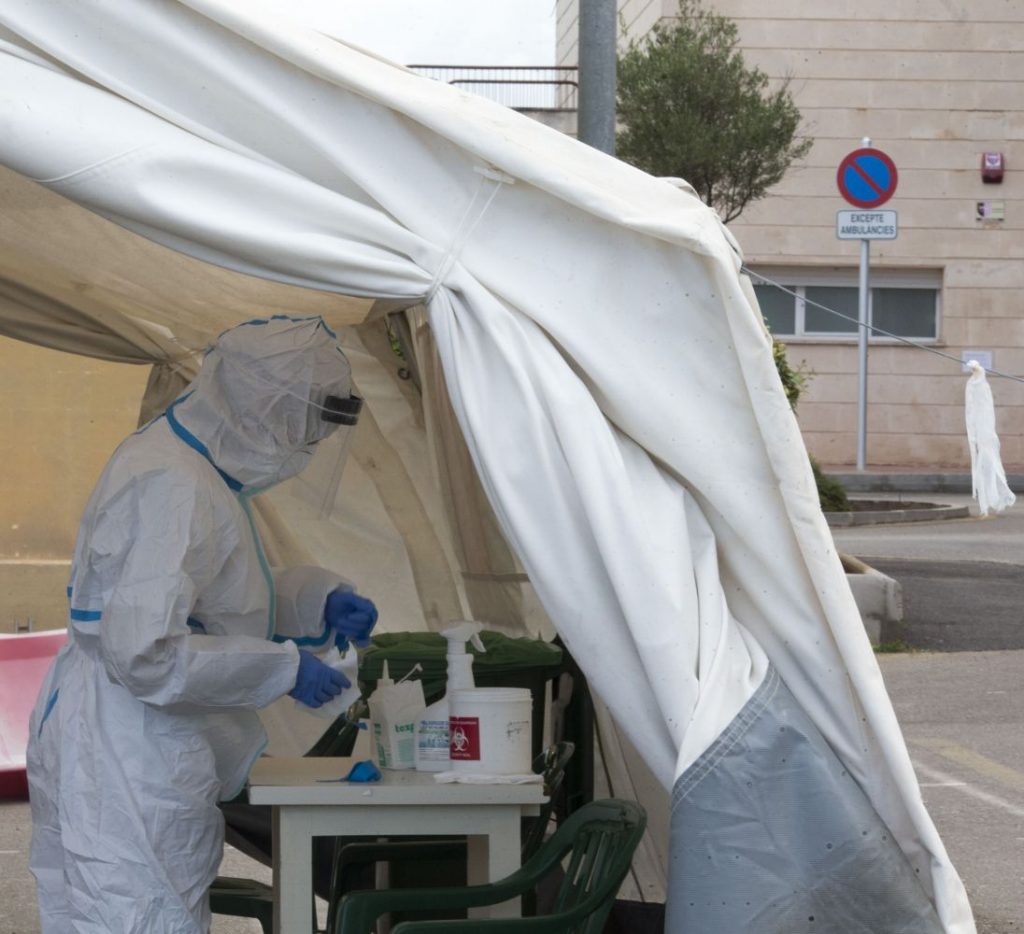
(464, 738)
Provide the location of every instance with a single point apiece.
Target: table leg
(494, 856)
(494, 847)
(293, 870)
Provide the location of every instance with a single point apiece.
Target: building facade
(936, 85)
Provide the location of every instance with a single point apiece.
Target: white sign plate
(984, 357)
(864, 224)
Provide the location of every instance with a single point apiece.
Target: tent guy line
(471, 217)
(876, 330)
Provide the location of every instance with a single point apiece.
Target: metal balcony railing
(522, 87)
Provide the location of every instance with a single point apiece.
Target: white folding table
(307, 804)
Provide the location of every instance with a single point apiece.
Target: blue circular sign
(867, 178)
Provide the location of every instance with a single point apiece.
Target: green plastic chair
(599, 839)
(243, 898)
(352, 860)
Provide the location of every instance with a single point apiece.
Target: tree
(691, 108)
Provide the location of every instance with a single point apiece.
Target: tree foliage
(690, 107)
(794, 379)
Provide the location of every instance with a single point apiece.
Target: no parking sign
(867, 178)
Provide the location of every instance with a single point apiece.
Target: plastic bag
(987, 475)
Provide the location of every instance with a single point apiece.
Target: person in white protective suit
(179, 631)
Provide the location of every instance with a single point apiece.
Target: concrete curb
(933, 513)
(879, 597)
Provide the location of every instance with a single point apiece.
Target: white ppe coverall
(176, 636)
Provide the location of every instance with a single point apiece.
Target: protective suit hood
(256, 408)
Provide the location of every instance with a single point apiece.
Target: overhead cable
(875, 330)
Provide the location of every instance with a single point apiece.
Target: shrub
(831, 494)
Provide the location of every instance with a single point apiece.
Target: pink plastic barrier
(24, 660)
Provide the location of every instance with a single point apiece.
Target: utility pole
(597, 58)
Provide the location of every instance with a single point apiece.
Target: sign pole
(862, 353)
(864, 296)
(867, 179)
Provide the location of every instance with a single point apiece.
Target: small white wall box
(984, 357)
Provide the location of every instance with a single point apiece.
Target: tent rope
(471, 217)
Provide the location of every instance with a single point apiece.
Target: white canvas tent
(616, 402)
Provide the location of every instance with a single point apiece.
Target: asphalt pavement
(962, 579)
(962, 715)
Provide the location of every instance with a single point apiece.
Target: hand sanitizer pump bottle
(460, 662)
(432, 728)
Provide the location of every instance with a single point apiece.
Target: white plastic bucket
(489, 731)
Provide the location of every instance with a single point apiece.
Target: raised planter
(875, 512)
(879, 597)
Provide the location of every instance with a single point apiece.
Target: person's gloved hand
(316, 682)
(352, 617)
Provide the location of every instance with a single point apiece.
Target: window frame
(798, 278)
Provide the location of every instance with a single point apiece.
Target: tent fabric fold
(30, 315)
(585, 325)
(72, 258)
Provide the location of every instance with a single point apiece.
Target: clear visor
(330, 430)
(318, 484)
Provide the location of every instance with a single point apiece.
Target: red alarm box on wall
(992, 168)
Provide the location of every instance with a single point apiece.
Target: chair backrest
(551, 764)
(600, 839)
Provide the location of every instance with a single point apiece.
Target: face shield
(275, 395)
(330, 430)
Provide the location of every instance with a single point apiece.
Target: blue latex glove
(364, 771)
(352, 617)
(316, 682)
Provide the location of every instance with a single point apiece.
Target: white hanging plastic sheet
(988, 479)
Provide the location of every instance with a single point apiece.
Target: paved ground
(962, 579)
(962, 711)
(958, 606)
(963, 718)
